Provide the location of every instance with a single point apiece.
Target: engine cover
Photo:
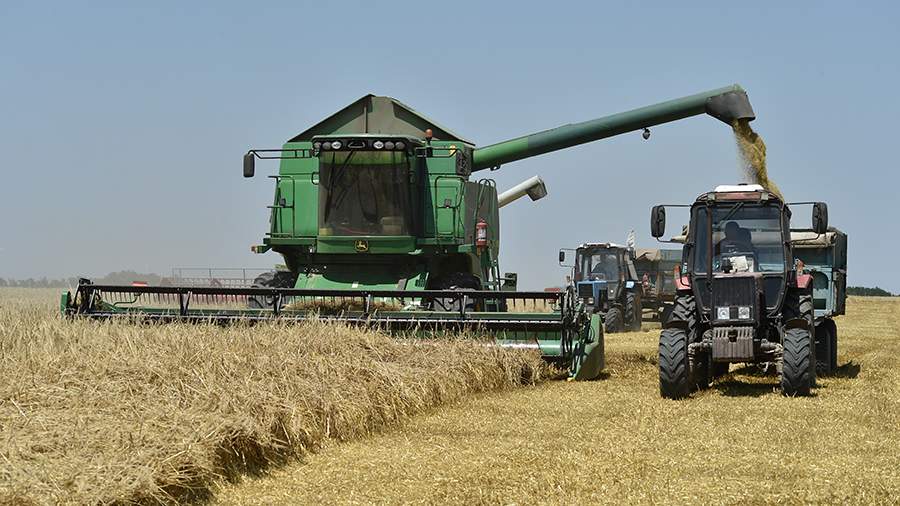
(736, 299)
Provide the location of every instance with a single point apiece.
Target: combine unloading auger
(380, 223)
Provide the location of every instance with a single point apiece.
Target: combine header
(381, 222)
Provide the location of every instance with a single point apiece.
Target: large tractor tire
(270, 279)
(455, 281)
(798, 369)
(614, 321)
(674, 373)
(633, 311)
(799, 304)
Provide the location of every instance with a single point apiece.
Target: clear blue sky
(122, 128)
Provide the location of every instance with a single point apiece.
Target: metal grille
(734, 291)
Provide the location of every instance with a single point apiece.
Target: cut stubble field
(101, 413)
(615, 440)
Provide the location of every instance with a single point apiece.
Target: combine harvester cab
(381, 220)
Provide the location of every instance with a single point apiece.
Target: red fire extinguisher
(481, 234)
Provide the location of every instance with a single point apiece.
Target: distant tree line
(113, 278)
(868, 292)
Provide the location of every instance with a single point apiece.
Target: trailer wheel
(797, 372)
(633, 311)
(826, 337)
(614, 320)
(673, 364)
(270, 279)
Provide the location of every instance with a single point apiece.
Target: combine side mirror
(562, 256)
(658, 221)
(249, 164)
(820, 217)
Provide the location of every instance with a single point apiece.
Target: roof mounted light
(388, 145)
(336, 145)
(378, 145)
(400, 145)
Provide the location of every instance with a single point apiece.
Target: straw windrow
(115, 412)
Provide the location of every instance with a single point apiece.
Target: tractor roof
(378, 115)
(602, 245)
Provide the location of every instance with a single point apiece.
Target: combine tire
(455, 281)
(798, 369)
(673, 364)
(614, 321)
(633, 311)
(271, 279)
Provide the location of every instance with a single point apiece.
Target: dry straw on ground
(115, 412)
(616, 441)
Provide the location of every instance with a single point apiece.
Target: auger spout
(726, 104)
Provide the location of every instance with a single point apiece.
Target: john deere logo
(362, 246)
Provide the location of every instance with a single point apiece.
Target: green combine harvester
(382, 220)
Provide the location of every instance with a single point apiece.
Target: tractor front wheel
(797, 376)
(673, 364)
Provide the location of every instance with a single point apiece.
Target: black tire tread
(797, 374)
(614, 321)
(673, 364)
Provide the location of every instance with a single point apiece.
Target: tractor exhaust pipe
(534, 187)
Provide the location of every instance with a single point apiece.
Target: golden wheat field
(101, 413)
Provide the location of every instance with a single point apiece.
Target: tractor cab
(739, 236)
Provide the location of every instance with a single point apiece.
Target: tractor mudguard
(804, 280)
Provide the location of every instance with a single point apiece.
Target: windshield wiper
(731, 212)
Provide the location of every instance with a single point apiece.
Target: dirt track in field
(615, 440)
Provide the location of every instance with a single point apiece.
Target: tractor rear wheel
(614, 320)
(673, 364)
(270, 279)
(633, 311)
(797, 371)
(799, 304)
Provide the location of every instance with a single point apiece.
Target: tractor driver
(736, 240)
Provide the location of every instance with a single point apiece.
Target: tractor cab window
(745, 238)
(363, 193)
(603, 265)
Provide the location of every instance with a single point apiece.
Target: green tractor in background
(382, 213)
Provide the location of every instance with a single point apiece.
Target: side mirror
(820, 217)
(562, 256)
(658, 221)
(249, 164)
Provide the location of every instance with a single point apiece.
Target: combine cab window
(745, 238)
(363, 193)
